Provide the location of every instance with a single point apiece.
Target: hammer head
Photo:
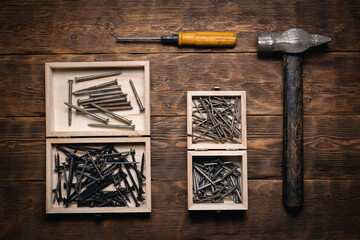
(290, 41)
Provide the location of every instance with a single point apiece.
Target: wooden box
(56, 76)
(232, 152)
(210, 145)
(58, 131)
(238, 157)
(139, 144)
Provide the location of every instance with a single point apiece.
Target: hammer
(292, 42)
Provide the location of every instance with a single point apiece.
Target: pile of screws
(215, 180)
(104, 177)
(106, 98)
(216, 119)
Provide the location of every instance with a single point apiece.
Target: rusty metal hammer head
(294, 40)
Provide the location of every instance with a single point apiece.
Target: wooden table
(34, 32)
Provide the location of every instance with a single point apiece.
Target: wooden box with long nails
(217, 156)
(98, 157)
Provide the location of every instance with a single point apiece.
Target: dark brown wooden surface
(33, 32)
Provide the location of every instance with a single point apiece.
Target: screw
(142, 163)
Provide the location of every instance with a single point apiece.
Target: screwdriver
(198, 39)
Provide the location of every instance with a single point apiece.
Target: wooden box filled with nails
(216, 120)
(107, 99)
(109, 173)
(217, 156)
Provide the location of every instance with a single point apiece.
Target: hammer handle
(293, 132)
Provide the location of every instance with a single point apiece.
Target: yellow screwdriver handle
(208, 39)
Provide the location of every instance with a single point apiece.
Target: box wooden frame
(50, 67)
(218, 206)
(201, 146)
(50, 171)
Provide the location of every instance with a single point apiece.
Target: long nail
(102, 85)
(94, 95)
(106, 105)
(141, 107)
(111, 126)
(97, 99)
(100, 90)
(112, 100)
(127, 121)
(96, 76)
(102, 119)
(121, 108)
(70, 101)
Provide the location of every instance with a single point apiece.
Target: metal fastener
(96, 76)
(106, 105)
(141, 107)
(121, 108)
(102, 85)
(111, 126)
(117, 116)
(100, 90)
(97, 99)
(112, 100)
(97, 117)
(70, 101)
(94, 95)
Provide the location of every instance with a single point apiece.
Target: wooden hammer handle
(293, 132)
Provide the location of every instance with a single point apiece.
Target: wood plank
(90, 27)
(22, 160)
(331, 147)
(330, 81)
(331, 210)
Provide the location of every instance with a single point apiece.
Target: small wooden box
(139, 144)
(233, 152)
(56, 76)
(238, 157)
(210, 145)
(58, 132)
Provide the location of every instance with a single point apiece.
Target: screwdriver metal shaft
(137, 38)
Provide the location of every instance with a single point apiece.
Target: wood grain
(330, 81)
(34, 32)
(91, 26)
(293, 153)
(327, 204)
(331, 147)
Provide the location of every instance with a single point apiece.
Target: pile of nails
(106, 98)
(216, 119)
(215, 180)
(98, 177)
